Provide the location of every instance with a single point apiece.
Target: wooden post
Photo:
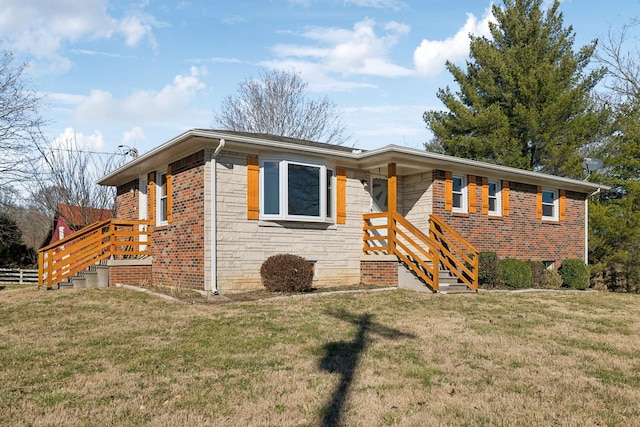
(392, 205)
(40, 268)
(49, 254)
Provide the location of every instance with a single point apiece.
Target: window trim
(497, 197)
(283, 189)
(554, 204)
(159, 220)
(464, 196)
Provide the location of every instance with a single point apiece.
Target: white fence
(19, 276)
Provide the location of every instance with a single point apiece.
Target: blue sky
(139, 73)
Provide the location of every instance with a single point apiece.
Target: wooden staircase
(78, 260)
(442, 260)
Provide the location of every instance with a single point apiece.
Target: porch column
(392, 204)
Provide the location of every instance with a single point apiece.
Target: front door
(379, 203)
(379, 195)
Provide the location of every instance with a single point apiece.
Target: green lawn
(119, 357)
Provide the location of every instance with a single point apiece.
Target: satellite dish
(590, 165)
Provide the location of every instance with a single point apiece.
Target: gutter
(213, 285)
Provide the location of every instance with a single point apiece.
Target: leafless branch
(278, 104)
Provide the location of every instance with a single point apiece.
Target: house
(68, 219)
(212, 205)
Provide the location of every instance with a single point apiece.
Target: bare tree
(278, 104)
(621, 56)
(67, 174)
(20, 121)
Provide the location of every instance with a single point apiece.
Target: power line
(69, 150)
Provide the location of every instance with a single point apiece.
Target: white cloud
(133, 136)
(142, 105)
(379, 4)
(357, 51)
(430, 57)
(41, 28)
(71, 138)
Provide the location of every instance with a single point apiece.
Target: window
(161, 207)
(550, 204)
(495, 205)
(296, 191)
(459, 193)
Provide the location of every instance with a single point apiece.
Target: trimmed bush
(574, 273)
(286, 273)
(537, 273)
(515, 273)
(551, 279)
(489, 272)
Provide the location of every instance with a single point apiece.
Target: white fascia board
(474, 167)
(412, 157)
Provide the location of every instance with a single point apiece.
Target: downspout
(214, 234)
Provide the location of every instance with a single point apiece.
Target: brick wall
(127, 200)
(521, 234)
(138, 275)
(379, 272)
(178, 248)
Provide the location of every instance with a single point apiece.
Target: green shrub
(551, 279)
(537, 273)
(574, 273)
(515, 273)
(489, 272)
(286, 273)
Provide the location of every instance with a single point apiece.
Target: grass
(119, 357)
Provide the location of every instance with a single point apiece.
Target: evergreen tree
(524, 98)
(614, 218)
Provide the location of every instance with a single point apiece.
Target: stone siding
(242, 244)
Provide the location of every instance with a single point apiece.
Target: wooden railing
(456, 254)
(114, 237)
(391, 233)
(404, 240)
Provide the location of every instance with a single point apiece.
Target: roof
(285, 139)
(79, 216)
(408, 160)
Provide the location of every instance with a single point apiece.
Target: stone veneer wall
(242, 244)
(519, 235)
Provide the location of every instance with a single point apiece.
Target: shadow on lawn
(342, 357)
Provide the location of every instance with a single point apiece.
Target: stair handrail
(403, 239)
(89, 245)
(456, 253)
(429, 260)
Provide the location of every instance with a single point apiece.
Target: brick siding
(520, 234)
(127, 200)
(379, 272)
(139, 275)
(178, 248)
